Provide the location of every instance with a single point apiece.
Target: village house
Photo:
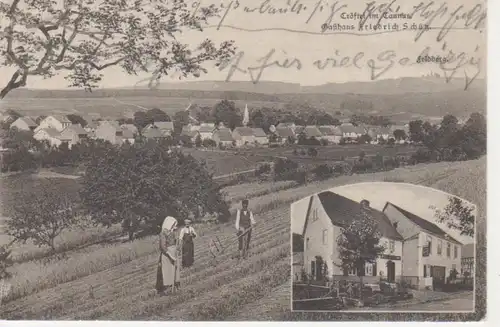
(73, 134)
(467, 260)
(57, 122)
(350, 132)
(165, 127)
(326, 213)
(377, 133)
(24, 124)
(285, 134)
(51, 135)
(311, 132)
(109, 130)
(129, 133)
(290, 125)
(223, 137)
(206, 131)
(131, 127)
(187, 131)
(260, 136)
(429, 254)
(154, 134)
(331, 133)
(243, 136)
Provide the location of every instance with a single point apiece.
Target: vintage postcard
(238, 160)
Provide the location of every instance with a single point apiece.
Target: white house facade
(57, 122)
(429, 254)
(326, 213)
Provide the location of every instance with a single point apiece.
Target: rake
(218, 246)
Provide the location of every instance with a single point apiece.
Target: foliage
(457, 215)
(399, 135)
(312, 152)
(5, 262)
(358, 243)
(77, 119)
(322, 171)
(198, 141)
(81, 39)
(209, 143)
(226, 112)
(285, 169)
(43, 218)
(147, 182)
(370, 120)
(364, 139)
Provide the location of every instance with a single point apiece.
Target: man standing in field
(244, 225)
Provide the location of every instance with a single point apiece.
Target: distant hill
(404, 97)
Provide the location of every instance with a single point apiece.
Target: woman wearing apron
(186, 236)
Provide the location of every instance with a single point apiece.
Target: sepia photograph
(237, 160)
(383, 246)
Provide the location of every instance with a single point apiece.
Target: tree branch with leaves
(457, 215)
(82, 38)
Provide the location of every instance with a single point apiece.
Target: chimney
(365, 204)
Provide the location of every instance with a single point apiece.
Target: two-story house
(377, 133)
(429, 253)
(24, 124)
(327, 212)
(51, 135)
(57, 122)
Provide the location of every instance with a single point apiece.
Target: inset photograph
(383, 246)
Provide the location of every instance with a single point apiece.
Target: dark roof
(468, 251)
(342, 210)
(312, 131)
(285, 132)
(244, 131)
(259, 132)
(425, 224)
(224, 135)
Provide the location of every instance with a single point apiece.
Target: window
(455, 252)
(440, 247)
(392, 246)
(307, 244)
(313, 269)
(369, 269)
(315, 215)
(325, 237)
(429, 244)
(448, 249)
(352, 272)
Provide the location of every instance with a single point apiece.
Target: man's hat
(244, 201)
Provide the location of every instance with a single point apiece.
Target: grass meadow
(115, 280)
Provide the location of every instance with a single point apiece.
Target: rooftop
(342, 210)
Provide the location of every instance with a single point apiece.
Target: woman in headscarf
(186, 237)
(168, 274)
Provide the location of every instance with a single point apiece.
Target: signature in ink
(263, 63)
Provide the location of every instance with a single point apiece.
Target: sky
(413, 198)
(299, 36)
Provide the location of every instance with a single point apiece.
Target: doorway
(391, 271)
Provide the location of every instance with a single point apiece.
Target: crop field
(114, 107)
(222, 163)
(116, 281)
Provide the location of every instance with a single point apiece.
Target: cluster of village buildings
(417, 251)
(58, 129)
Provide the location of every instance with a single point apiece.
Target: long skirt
(187, 252)
(168, 273)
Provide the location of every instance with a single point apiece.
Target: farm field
(114, 107)
(116, 281)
